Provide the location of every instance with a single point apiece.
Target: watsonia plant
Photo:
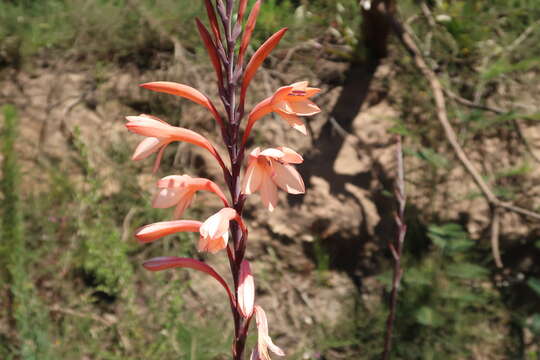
(266, 169)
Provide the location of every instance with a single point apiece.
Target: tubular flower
(160, 134)
(264, 342)
(215, 230)
(152, 232)
(289, 102)
(269, 169)
(179, 190)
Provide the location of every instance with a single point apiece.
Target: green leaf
(467, 271)
(429, 317)
(415, 276)
(433, 158)
(503, 67)
(535, 324)
(450, 237)
(534, 284)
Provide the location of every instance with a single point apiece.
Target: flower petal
(184, 202)
(146, 147)
(212, 245)
(168, 197)
(304, 108)
(288, 178)
(273, 153)
(252, 178)
(158, 230)
(268, 193)
(218, 224)
(246, 290)
(264, 342)
(294, 121)
(174, 181)
(147, 126)
(290, 156)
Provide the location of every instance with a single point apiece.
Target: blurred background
(71, 281)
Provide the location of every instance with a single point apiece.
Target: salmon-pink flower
(264, 342)
(179, 191)
(269, 169)
(289, 102)
(246, 290)
(160, 134)
(215, 230)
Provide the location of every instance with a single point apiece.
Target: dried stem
(396, 248)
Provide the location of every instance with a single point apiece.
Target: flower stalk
(267, 170)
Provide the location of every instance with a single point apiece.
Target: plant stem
(396, 248)
(236, 155)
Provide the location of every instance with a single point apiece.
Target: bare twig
(126, 224)
(495, 227)
(403, 32)
(396, 247)
(84, 315)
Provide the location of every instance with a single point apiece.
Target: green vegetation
(23, 308)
